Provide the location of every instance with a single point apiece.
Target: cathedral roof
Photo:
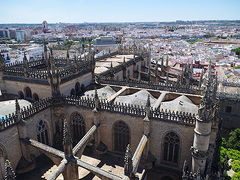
(180, 104)
(8, 107)
(138, 98)
(103, 93)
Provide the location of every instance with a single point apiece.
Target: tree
(237, 51)
(234, 140)
(236, 176)
(236, 165)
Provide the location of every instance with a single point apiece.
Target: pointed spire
(9, 173)
(97, 101)
(167, 61)
(67, 58)
(128, 166)
(2, 60)
(111, 66)
(17, 105)
(52, 63)
(67, 140)
(17, 110)
(66, 134)
(191, 67)
(25, 61)
(205, 110)
(148, 106)
(45, 47)
(68, 54)
(45, 50)
(25, 65)
(185, 169)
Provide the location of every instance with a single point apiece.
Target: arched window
(28, 92)
(42, 135)
(20, 95)
(77, 89)
(171, 147)
(78, 127)
(72, 93)
(121, 136)
(82, 88)
(35, 97)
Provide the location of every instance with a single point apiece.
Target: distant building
(12, 33)
(20, 35)
(4, 33)
(104, 43)
(45, 25)
(104, 40)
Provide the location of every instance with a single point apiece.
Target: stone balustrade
(26, 112)
(173, 87)
(133, 110)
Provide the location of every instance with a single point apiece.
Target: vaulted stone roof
(181, 104)
(138, 98)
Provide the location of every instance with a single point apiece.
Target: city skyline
(80, 11)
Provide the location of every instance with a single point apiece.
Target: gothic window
(28, 92)
(72, 93)
(82, 88)
(78, 127)
(77, 88)
(171, 147)
(35, 97)
(20, 95)
(121, 136)
(42, 135)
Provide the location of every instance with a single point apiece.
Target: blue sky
(77, 11)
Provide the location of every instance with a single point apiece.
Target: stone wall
(10, 148)
(159, 128)
(66, 87)
(13, 87)
(185, 133)
(230, 113)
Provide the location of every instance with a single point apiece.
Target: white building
(20, 35)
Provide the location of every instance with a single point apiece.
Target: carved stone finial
(45, 47)
(17, 106)
(97, 101)
(111, 65)
(2, 60)
(68, 54)
(9, 173)
(128, 167)
(185, 169)
(67, 140)
(148, 105)
(25, 61)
